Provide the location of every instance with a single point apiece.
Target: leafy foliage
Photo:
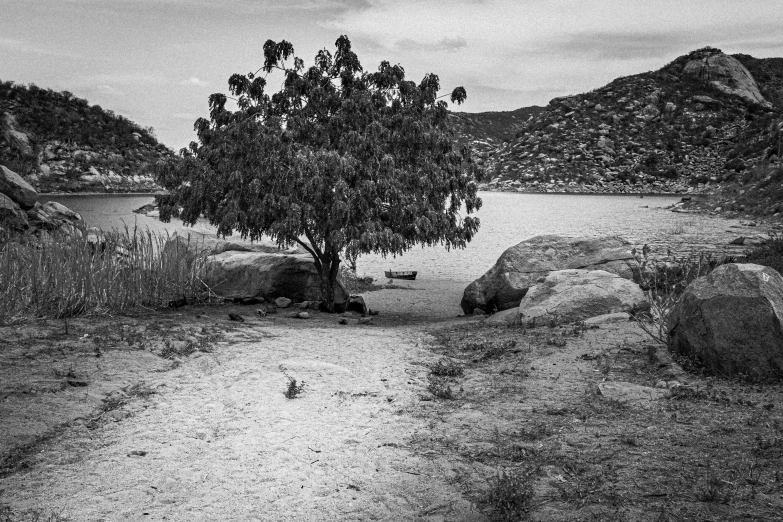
(339, 160)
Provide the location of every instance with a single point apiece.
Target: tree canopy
(338, 160)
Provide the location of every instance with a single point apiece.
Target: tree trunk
(328, 270)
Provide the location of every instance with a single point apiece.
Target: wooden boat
(410, 275)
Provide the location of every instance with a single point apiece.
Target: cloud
(445, 44)
(194, 81)
(21, 46)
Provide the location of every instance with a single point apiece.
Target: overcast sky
(157, 61)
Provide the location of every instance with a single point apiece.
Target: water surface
(506, 219)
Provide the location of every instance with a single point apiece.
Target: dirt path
(221, 441)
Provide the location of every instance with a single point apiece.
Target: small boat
(410, 275)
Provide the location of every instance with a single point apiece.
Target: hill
(61, 143)
(692, 126)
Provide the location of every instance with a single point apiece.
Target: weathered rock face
(575, 295)
(732, 321)
(521, 266)
(13, 186)
(235, 275)
(53, 216)
(727, 74)
(12, 217)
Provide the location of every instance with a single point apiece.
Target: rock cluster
(21, 213)
(529, 262)
(685, 128)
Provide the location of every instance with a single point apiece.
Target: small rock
(304, 305)
(303, 315)
(236, 317)
(261, 312)
(283, 302)
(739, 241)
(342, 320)
(137, 453)
(365, 320)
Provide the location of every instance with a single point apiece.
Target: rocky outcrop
(566, 296)
(12, 217)
(54, 216)
(17, 140)
(16, 188)
(731, 321)
(523, 265)
(20, 212)
(725, 73)
(665, 131)
(59, 143)
(243, 275)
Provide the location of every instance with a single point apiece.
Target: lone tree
(340, 161)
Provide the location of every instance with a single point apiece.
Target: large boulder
(239, 275)
(732, 321)
(521, 266)
(12, 217)
(575, 295)
(726, 74)
(54, 216)
(188, 248)
(13, 186)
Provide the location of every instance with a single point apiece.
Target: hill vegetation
(694, 125)
(60, 142)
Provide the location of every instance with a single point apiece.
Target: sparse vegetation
(664, 282)
(508, 497)
(294, 388)
(440, 388)
(446, 368)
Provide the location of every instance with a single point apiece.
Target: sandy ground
(180, 415)
(219, 439)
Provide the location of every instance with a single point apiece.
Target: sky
(157, 61)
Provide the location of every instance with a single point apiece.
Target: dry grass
(68, 276)
(709, 451)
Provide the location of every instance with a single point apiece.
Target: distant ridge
(61, 143)
(691, 126)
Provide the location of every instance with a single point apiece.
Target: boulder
(727, 74)
(356, 304)
(576, 295)
(236, 274)
(521, 266)
(13, 186)
(12, 217)
(732, 321)
(17, 139)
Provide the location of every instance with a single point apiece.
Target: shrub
(664, 282)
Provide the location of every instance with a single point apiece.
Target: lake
(506, 219)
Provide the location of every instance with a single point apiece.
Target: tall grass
(68, 275)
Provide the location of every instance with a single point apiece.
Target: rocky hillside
(60, 143)
(696, 124)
